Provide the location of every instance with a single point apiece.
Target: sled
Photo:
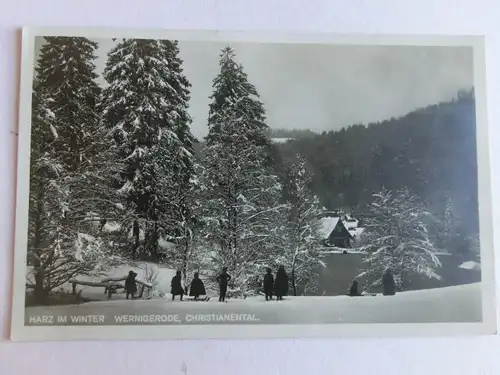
(204, 299)
(363, 295)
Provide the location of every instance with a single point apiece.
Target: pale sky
(326, 87)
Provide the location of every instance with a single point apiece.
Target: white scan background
(352, 356)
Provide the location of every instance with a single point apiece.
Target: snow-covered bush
(69, 184)
(396, 238)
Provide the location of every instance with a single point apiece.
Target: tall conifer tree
(145, 107)
(64, 129)
(241, 194)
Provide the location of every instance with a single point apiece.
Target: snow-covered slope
(453, 304)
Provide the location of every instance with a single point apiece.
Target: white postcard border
(20, 332)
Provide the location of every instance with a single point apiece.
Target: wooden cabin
(340, 231)
(335, 233)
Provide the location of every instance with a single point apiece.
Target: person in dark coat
(281, 284)
(197, 287)
(354, 291)
(130, 285)
(388, 283)
(223, 280)
(176, 286)
(268, 284)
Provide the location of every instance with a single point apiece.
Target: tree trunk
(40, 292)
(234, 229)
(135, 232)
(38, 265)
(151, 241)
(185, 265)
(403, 280)
(154, 244)
(294, 287)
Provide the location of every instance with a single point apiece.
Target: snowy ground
(470, 265)
(452, 304)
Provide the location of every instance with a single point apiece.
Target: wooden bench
(110, 285)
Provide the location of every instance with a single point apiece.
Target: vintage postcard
(236, 185)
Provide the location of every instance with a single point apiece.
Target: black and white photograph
(198, 185)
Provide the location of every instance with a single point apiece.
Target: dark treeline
(432, 151)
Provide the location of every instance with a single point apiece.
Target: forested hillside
(432, 151)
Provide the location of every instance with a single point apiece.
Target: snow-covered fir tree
(46, 234)
(302, 248)
(240, 202)
(396, 238)
(64, 129)
(145, 106)
(233, 91)
(185, 202)
(174, 207)
(66, 73)
(178, 99)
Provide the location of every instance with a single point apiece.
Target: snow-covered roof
(351, 223)
(356, 232)
(328, 225)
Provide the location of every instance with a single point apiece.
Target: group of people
(197, 287)
(388, 285)
(277, 286)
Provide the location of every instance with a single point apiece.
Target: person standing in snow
(176, 286)
(223, 280)
(354, 291)
(197, 287)
(281, 283)
(268, 284)
(388, 283)
(130, 285)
